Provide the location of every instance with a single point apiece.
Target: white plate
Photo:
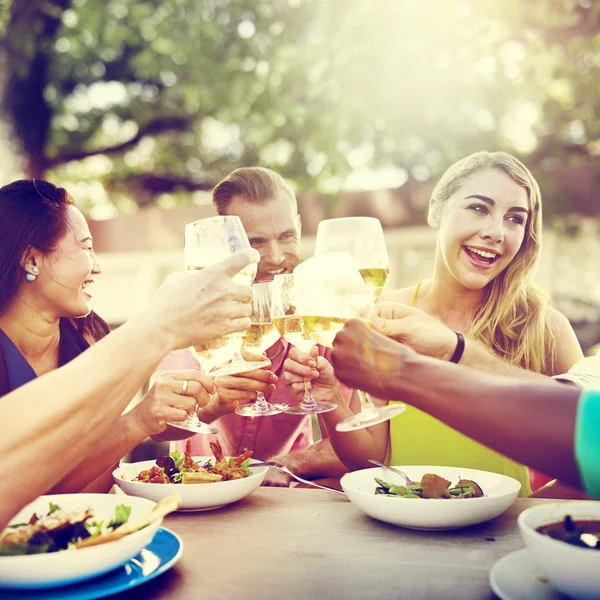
(500, 492)
(516, 577)
(202, 496)
(68, 566)
(571, 569)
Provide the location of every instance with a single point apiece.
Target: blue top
(587, 441)
(71, 344)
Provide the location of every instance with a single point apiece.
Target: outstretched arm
(429, 336)
(532, 423)
(51, 423)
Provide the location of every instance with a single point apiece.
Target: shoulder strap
(414, 298)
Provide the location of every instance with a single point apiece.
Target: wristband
(460, 347)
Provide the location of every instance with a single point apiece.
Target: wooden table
(307, 543)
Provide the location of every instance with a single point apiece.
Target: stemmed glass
(363, 239)
(208, 241)
(258, 339)
(290, 327)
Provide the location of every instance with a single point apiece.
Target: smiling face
(481, 227)
(65, 274)
(273, 228)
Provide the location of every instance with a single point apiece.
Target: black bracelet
(460, 347)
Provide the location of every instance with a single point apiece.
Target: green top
(417, 438)
(587, 441)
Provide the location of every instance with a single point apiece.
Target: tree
(159, 98)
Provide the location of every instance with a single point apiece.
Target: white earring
(32, 276)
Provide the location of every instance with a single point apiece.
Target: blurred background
(138, 107)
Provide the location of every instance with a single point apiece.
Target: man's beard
(268, 272)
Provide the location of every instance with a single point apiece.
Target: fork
(407, 479)
(283, 468)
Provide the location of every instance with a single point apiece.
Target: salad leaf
(53, 508)
(39, 543)
(244, 467)
(95, 528)
(177, 457)
(122, 513)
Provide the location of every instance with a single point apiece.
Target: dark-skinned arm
(531, 423)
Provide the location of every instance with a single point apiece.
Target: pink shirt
(266, 436)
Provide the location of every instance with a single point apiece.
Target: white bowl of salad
(202, 482)
(441, 497)
(60, 539)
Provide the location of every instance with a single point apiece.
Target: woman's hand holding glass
(223, 290)
(415, 328)
(205, 305)
(165, 403)
(208, 241)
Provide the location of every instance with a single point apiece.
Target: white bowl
(570, 569)
(201, 496)
(68, 566)
(500, 492)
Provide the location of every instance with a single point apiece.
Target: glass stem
(365, 401)
(236, 343)
(308, 402)
(261, 403)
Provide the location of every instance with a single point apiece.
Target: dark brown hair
(255, 184)
(33, 213)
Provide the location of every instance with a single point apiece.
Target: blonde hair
(514, 320)
(255, 184)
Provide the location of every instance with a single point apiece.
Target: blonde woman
(480, 307)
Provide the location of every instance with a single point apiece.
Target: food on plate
(162, 508)
(582, 532)
(181, 468)
(79, 527)
(431, 486)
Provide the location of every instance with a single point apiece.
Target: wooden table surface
(307, 543)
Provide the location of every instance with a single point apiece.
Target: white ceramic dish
(516, 577)
(500, 492)
(68, 566)
(204, 496)
(570, 569)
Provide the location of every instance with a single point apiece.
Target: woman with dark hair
(47, 265)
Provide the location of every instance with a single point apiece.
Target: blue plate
(157, 557)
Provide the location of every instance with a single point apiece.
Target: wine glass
(258, 339)
(363, 239)
(208, 241)
(290, 327)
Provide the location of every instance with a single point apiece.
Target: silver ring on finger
(184, 387)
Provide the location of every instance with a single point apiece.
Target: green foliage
(315, 89)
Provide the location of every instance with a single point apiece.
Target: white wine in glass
(292, 328)
(258, 339)
(363, 239)
(208, 241)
